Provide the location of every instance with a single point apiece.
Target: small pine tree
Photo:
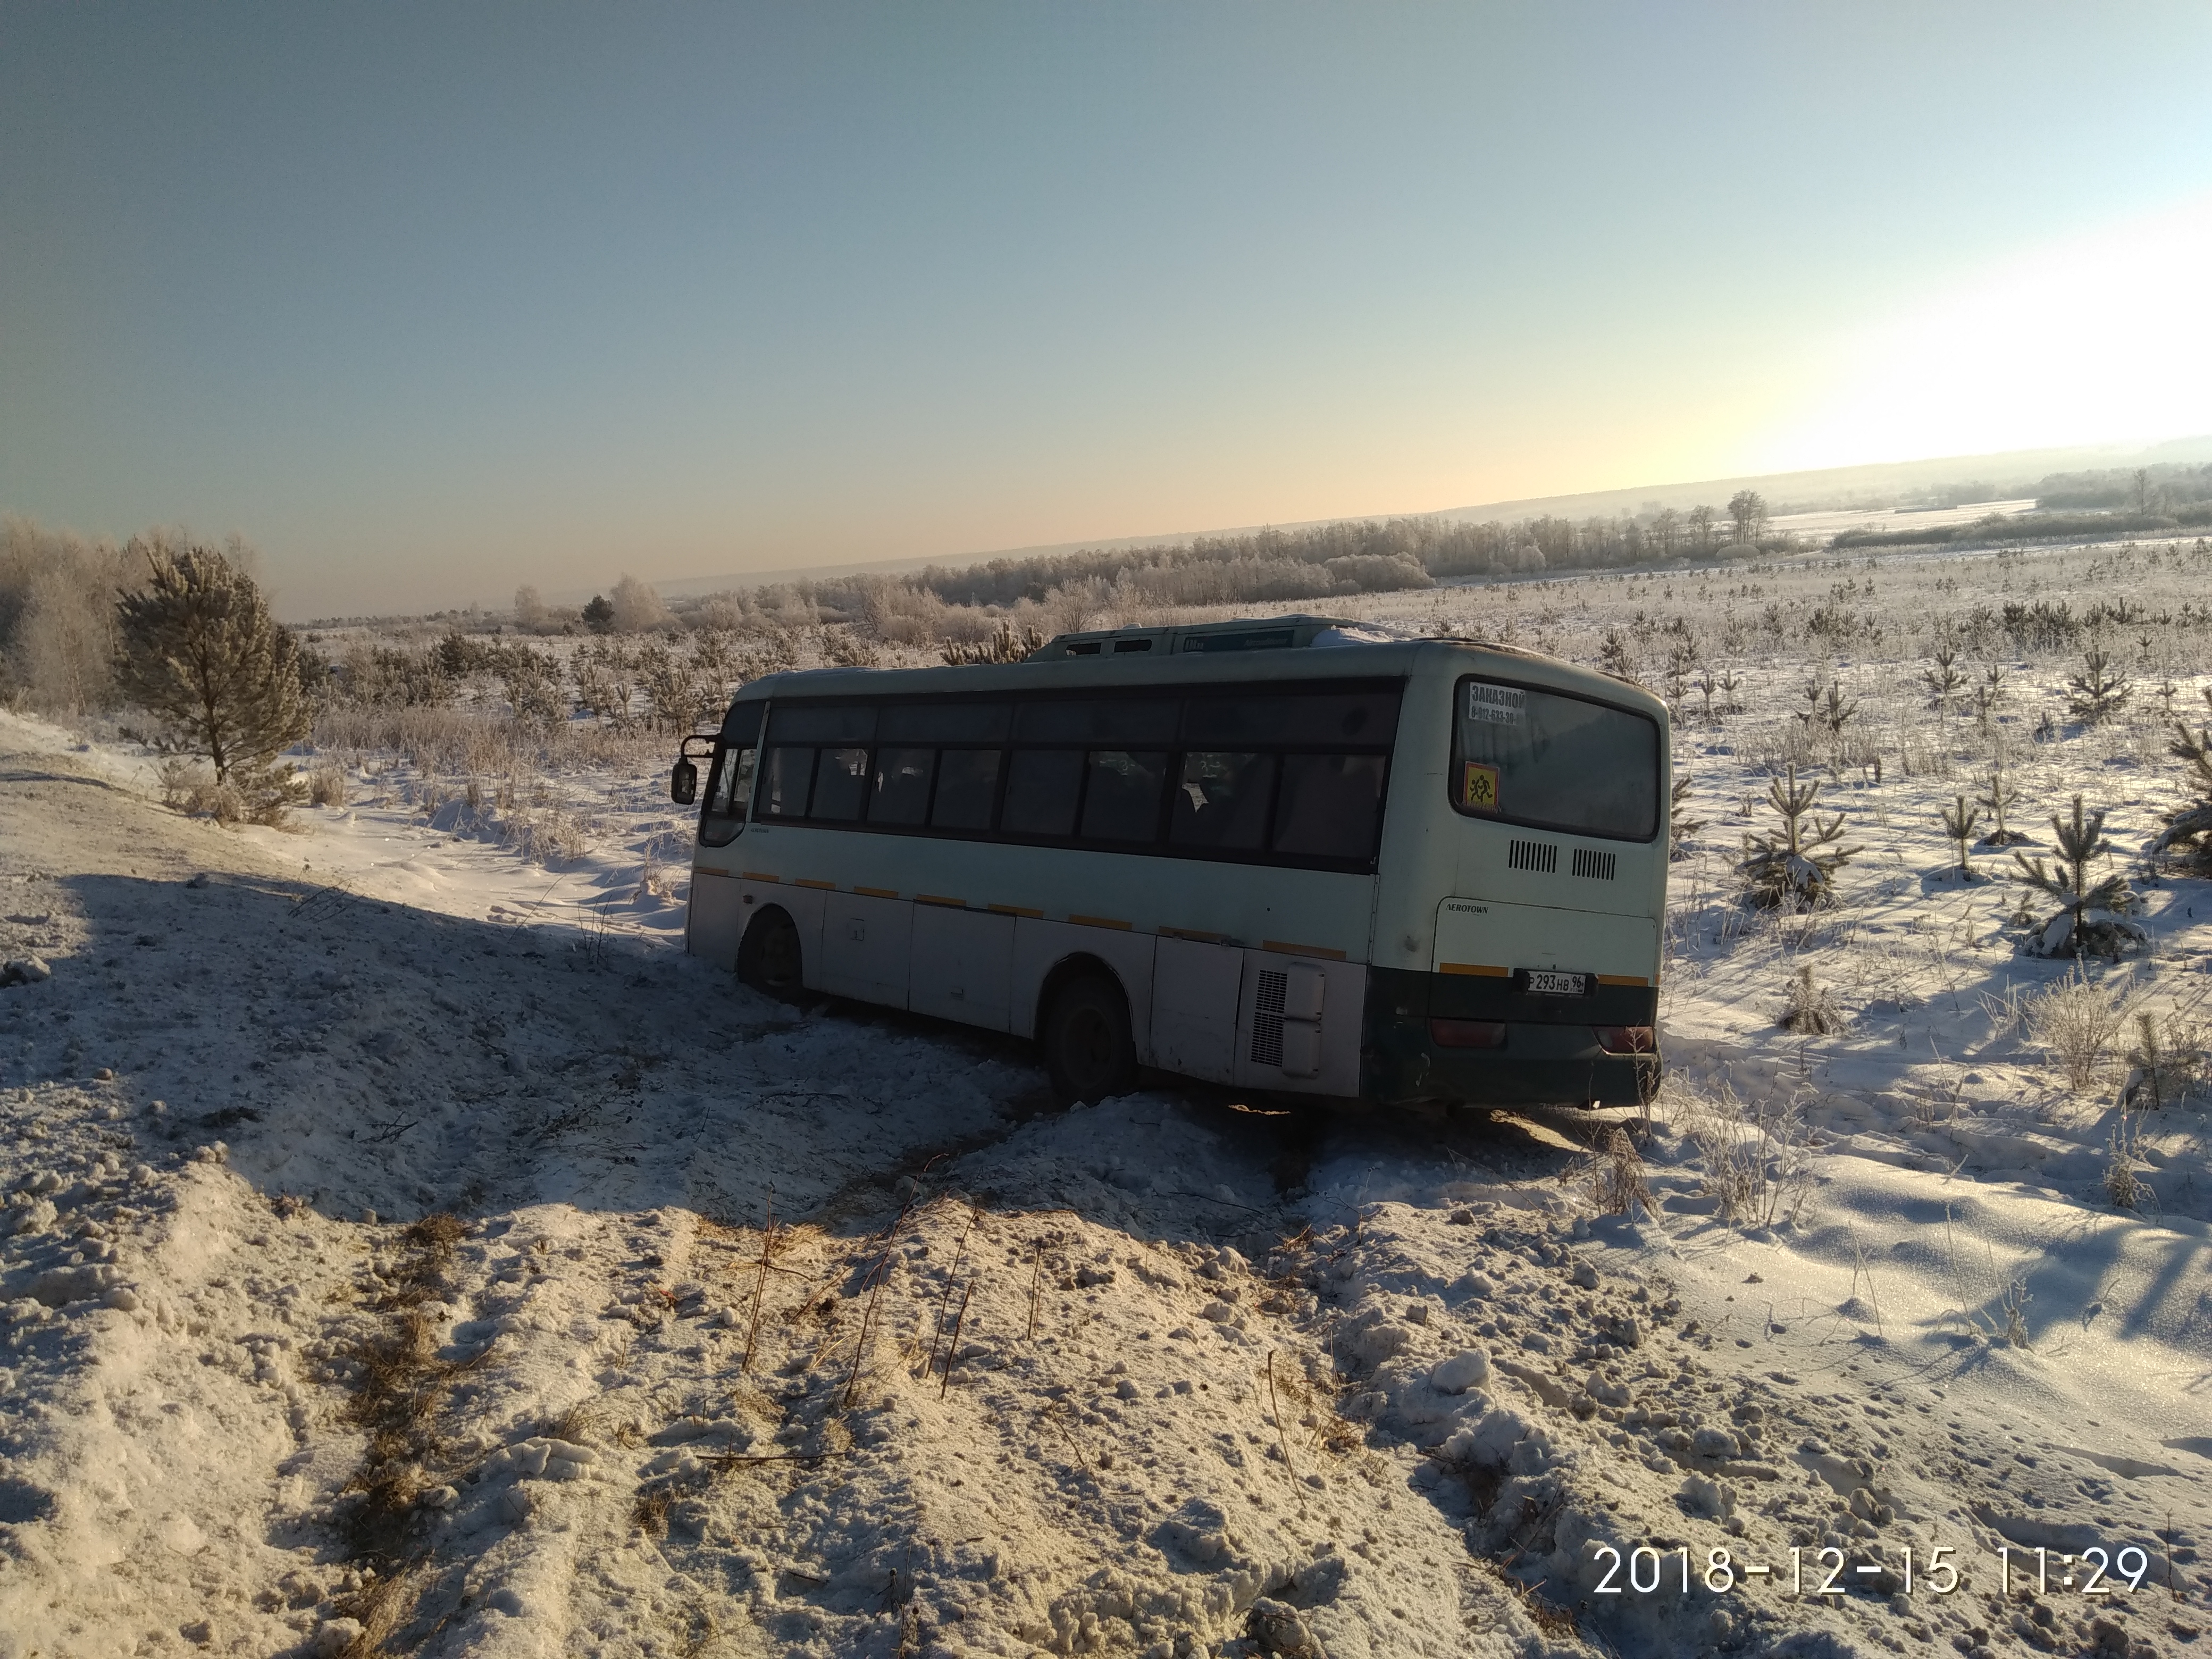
(2080, 841)
(1679, 825)
(1959, 821)
(200, 651)
(1944, 681)
(1999, 800)
(2098, 691)
(2188, 826)
(1798, 863)
(1826, 712)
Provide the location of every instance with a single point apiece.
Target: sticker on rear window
(1479, 789)
(1497, 705)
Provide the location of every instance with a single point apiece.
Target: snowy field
(407, 1249)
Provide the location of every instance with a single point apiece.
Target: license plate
(1552, 982)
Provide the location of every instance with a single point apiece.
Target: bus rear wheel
(1088, 1051)
(768, 958)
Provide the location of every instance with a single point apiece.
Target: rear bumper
(1550, 1054)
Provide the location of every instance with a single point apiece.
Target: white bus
(1295, 856)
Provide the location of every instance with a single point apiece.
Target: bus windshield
(1553, 761)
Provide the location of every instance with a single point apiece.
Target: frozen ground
(384, 1264)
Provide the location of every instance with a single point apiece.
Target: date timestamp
(1650, 1570)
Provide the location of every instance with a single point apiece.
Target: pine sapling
(1826, 714)
(1680, 826)
(2188, 826)
(1999, 798)
(1944, 681)
(1959, 821)
(1797, 863)
(2098, 691)
(2080, 841)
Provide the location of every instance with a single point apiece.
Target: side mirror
(683, 783)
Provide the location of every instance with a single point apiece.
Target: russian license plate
(1553, 982)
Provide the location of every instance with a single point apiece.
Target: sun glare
(2100, 337)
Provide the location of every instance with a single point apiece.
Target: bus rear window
(1553, 761)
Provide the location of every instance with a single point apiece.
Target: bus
(1298, 856)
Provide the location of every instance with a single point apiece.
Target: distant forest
(964, 606)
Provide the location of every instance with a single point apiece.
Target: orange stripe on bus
(1279, 946)
(1622, 979)
(1015, 910)
(1100, 921)
(933, 898)
(1470, 967)
(826, 886)
(761, 875)
(875, 892)
(1196, 935)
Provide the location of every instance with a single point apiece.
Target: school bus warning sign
(1479, 790)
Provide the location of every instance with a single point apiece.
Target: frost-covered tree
(1747, 511)
(1798, 862)
(637, 607)
(200, 651)
(2081, 841)
(2188, 826)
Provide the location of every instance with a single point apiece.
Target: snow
(1177, 1374)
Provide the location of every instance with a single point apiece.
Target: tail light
(1467, 1033)
(1628, 1039)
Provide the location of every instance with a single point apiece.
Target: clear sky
(427, 299)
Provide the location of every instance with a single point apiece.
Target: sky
(427, 300)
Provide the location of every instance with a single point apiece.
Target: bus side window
(1329, 805)
(901, 785)
(784, 785)
(1221, 801)
(1122, 800)
(841, 784)
(967, 789)
(1042, 786)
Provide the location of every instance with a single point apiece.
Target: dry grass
(396, 1395)
(1756, 1161)
(1810, 1009)
(2075, 1022)
(1617, 1185)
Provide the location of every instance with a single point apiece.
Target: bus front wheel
(768, 959)
(1088, 1050)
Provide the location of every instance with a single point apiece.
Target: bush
(2074, 1022)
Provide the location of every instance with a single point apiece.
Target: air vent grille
(1267, 1017)
(1542, 856)
(1599, 867)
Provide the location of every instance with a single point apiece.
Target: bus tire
(1088, 1051)
(768, 956)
